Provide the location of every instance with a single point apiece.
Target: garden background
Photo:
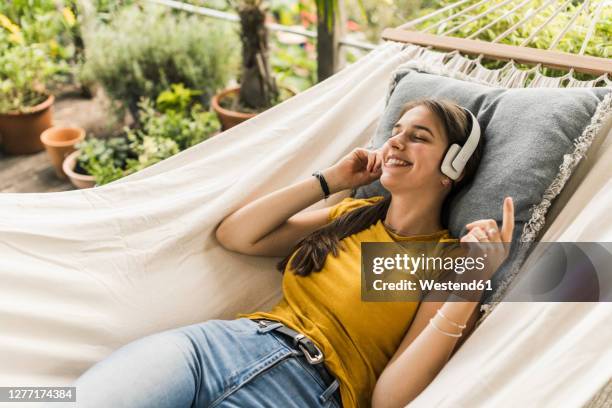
(145, 81)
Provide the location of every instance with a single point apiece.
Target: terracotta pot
(59, 142)
(20, 132)
(230, 118)
(78, 180)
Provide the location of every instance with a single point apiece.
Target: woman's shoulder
(349, 204)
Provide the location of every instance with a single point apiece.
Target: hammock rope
(476, 17)
(545, 23)
(495, 21)
(591, 30)
(508, 76)
(511, 75)
(454, 16)
(419, 20)
(522, 21)
(555, 42)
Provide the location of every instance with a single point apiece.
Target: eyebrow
(418, 127)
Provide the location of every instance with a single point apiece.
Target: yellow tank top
(357, 338)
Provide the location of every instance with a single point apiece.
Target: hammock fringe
(453, 64)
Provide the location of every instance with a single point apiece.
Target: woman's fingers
(379, 160)
(490, 225)
(508, 220)
(479, 234)
(468, 238)
(493, 234)
(371, 160)
(374, 161)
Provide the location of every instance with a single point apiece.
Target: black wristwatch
(323, 183)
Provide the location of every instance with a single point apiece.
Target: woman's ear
(446, 181)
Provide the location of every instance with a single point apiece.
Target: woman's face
(418, 140)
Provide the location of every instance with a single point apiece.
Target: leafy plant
(25, 71)
(185, 128)
(52, 24)
(293, 67)
(141, 51)
(174, 123)
(150, 150)
(177, 98)
(105, 159)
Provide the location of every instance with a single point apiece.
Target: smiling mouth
(393, 162)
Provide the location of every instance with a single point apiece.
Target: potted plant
(258, 90)
(25, 104)
(97, 161)
(75, 172)
(59, 142)
(174, 122)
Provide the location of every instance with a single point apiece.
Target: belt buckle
(316, 359)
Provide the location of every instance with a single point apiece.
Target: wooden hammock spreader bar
(553, 59)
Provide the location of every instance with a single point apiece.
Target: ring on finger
(483, 238)
(479, 234)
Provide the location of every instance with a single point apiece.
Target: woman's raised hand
(361, 166)
(486, 231)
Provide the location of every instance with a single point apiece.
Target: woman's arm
(270, 226)
(425, 349)
(422, 353)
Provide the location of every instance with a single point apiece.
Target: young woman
(321, 346)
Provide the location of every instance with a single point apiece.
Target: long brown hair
(310, 253)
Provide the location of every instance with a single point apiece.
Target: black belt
(313, 354)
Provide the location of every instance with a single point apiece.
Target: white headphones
(457, 156)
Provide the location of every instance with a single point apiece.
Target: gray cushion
(527, 131)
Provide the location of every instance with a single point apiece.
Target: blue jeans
(218, 363)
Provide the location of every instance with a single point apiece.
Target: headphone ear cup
(447, 167)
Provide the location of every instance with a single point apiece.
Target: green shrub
(185, 129)
(52, 25)
(176, 122)
(25, 71)
(105, 159)
(142, 51)
(293, 67)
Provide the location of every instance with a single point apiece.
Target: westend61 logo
(429, 271)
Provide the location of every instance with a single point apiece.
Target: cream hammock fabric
(84, 272)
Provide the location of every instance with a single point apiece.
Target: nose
(396, 142)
